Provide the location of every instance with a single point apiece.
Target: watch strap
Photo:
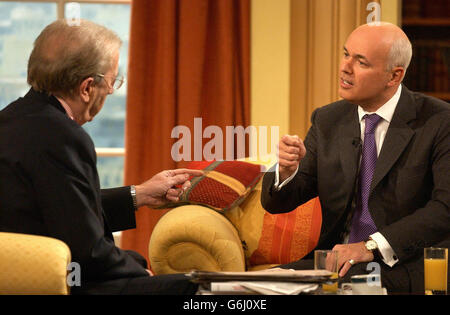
(133, 196)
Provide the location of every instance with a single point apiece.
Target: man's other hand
(290, 152)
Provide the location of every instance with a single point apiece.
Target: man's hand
(356, 251)
(164, 187)
(290, 152)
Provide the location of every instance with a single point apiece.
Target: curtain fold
(187, 59)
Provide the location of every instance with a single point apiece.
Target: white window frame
(61, 3)
(101, 152)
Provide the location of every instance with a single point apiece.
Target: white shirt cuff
(277, 184)
(387, 253)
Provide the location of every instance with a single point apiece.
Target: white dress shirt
(385, 112)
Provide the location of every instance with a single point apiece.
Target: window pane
(108, 127)
(20, 23)
(110, 171)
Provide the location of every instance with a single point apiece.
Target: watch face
(371, 245)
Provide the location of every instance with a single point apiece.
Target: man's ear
(86, 88)
(397, 74)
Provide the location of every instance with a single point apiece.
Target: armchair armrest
(31, 264)
(194, 237)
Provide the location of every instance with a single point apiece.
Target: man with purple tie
(379, 162)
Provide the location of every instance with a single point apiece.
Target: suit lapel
(349, 135)
(398, 136)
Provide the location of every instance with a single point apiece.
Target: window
(21, 22)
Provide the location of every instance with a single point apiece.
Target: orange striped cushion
(288, 236)
(275, 238)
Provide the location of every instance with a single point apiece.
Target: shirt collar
(66, 107)
(387, 110)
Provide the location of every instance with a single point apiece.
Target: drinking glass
(328, 260)
(435, 269)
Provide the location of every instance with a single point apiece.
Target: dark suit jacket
(410, 191)
(49, 186)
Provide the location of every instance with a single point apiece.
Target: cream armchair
(31, 264)
(246, 237)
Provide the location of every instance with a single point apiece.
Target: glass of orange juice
(435, 269)
(328, 260)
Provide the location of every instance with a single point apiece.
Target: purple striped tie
(362, 223)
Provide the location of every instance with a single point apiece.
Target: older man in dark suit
(379, 162)
(49, 183)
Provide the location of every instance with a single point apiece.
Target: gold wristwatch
(372, 246)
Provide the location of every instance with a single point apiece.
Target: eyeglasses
(117, 83)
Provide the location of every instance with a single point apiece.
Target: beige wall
(270, 63)
(391, 11)
(296, 49)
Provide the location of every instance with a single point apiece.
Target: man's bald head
(390, 37)
(375, 59)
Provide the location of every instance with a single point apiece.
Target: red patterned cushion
(224, 185)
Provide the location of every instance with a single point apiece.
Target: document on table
(263, 287)
(273, 275)
(270, 281)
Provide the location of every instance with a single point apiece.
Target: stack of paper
(263, 287)
(270, 281)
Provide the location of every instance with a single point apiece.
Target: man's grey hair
(400, 54)
(64, 55)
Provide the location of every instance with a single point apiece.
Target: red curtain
(187, 58)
